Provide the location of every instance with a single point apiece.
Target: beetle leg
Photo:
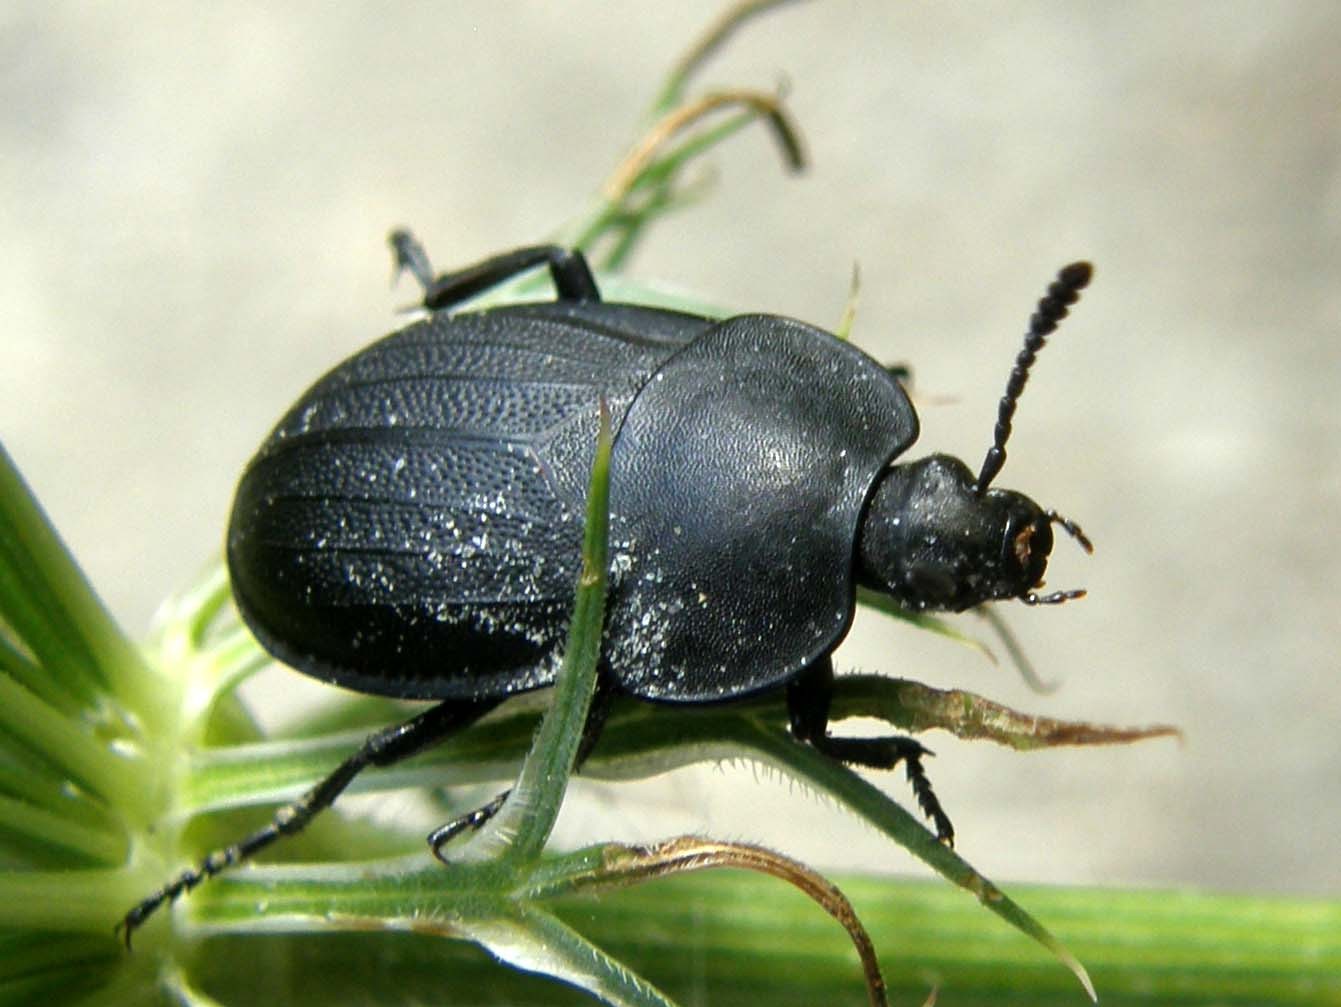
(471, 820)
(410, 257)
(567, 268)
(381, 749)
(808, 699)
(601, 702)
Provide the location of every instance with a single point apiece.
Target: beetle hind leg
(808, 699)
(572, 277)
(381, 749)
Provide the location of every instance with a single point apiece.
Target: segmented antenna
(1063, 293)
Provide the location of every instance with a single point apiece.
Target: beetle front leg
(808, 700)
(473, 821)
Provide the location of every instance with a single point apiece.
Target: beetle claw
(471, 821)
(410, 257)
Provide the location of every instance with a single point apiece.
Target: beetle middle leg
(568, 269)
(387, 746)
(808, 700)
(472, 821)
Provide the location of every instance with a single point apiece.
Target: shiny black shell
(412, 527)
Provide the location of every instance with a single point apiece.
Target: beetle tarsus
(387, 746)
(471, 821)
(808, 700)
(568, 269)
(217, 861)
(887, 753)
(927, 800)
(410, 257)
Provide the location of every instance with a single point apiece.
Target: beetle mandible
(412, 526)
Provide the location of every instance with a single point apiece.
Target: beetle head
(936, 538)
(930, 540)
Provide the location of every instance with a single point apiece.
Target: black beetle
(412, 527)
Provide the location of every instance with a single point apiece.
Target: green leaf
(523, 824)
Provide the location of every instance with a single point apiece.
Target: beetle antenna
(1063, 293)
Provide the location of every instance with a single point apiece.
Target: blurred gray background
(193, 201)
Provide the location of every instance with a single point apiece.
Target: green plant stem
(74, 837)
(527, 819)
(728, 938)
(50, 605)
(75, 752)
(45, 900)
